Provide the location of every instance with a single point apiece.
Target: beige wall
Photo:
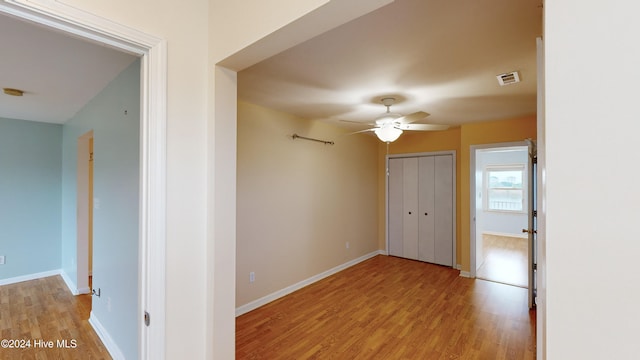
(298, 201)
(247, 31)
(459, 139)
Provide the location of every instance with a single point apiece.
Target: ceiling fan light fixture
(387, 117)
(388, 133)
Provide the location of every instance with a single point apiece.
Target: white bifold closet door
(420, 208)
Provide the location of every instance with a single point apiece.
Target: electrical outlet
(2, 260)
(109, 304)
(346, 245)
(252, 277)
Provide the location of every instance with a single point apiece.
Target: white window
(504, 188)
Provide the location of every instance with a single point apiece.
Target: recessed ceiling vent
(508, 78)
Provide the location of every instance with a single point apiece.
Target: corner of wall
(70, 283)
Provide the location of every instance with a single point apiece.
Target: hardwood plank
(44, 310)
(505, 260)
(392, 308)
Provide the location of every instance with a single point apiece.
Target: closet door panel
(410, 202)
(426, 198)
(444, 210)
(396, 208)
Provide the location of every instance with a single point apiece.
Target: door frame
(153, 118)
(472, 197)
(455, 264)
(83, 211)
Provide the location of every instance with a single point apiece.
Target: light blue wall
(30, 183)
(114, 116)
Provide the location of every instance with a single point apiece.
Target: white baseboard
(465, 274)
(70, 284)
(495, 233)
(108, 342)
(288, 290)
(67, 280)
(28, 277)
(85, 290)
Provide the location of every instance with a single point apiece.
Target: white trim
(106, 339)
(420, 154)
(152, 261)
(34, 276)
(496, 233)
(73, 287)
(82, 210)
(297, 286)
(472, 195)
(486, 186)
(153, 119)
(464, 274)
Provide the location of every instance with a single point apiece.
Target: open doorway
(84, 224)
(149, 194)
(501, 213)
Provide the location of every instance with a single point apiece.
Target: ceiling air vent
(508, 78)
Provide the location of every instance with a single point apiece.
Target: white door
(427, 196)
(410, 207)
(421, 208)
(532, 225)
(395, 207)
(443, 205)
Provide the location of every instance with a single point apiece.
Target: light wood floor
(392, 308)
(44, 309)
(505, 260)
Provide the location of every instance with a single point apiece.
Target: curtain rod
(296, 136)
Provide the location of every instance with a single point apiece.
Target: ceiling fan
(389, 126)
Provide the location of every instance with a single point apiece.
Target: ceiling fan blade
(357, 122)
(407, 119)
(422, 127)
(362, 131)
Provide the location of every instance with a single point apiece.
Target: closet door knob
(409, 212)
(425, 214)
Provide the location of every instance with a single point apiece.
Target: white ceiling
(438, 56)
(58, 74)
